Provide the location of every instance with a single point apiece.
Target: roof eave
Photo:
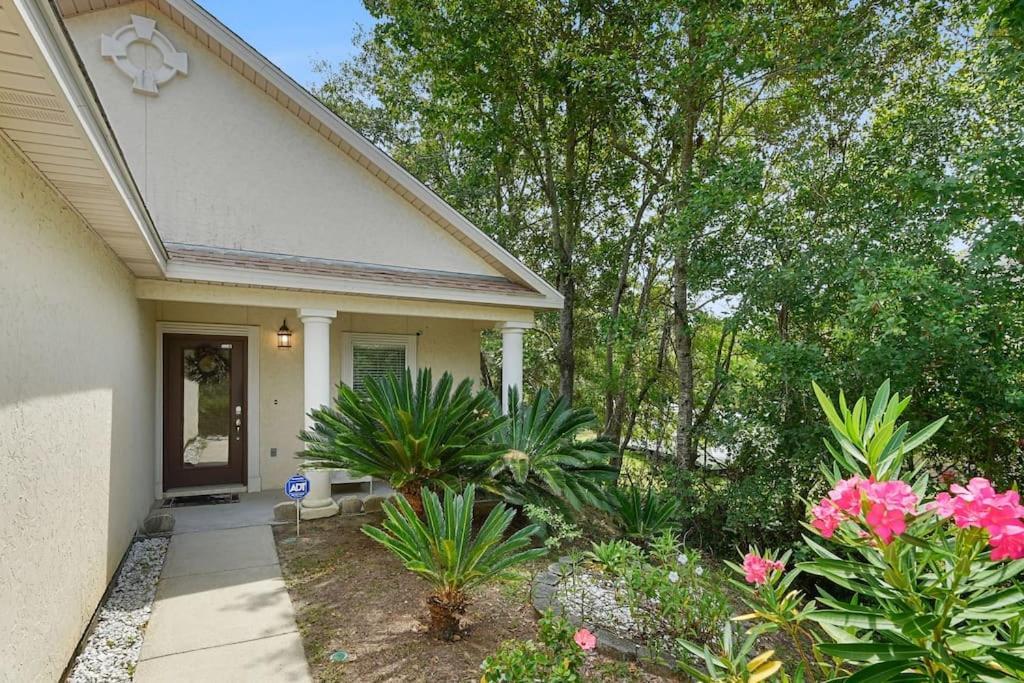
(47, 30)
(193, 272)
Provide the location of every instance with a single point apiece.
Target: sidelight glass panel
(206, 414)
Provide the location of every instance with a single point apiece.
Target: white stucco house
(169, 199)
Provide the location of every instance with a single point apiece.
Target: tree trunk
(685, 456)
(414, 496)
(445, 611)
(566, 330)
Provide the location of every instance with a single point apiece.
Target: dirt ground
(351, 594)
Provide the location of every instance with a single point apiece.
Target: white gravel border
(112, 650)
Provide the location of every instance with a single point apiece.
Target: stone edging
(543, 597)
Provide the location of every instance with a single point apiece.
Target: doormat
(188, 501)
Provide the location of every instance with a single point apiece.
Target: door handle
(238, 423)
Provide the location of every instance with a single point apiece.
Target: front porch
(262, 413)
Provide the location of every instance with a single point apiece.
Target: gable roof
(260, 71)
(52, 118)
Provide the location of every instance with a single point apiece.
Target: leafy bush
(640, 515)
(557, 658)
(555, 528)
(929, 596)
(544, 464)
(443, 550)
(670, 597)
(613, 556)
(411, 434)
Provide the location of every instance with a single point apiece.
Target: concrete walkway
(222, 612)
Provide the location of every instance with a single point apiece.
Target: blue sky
(293, 34)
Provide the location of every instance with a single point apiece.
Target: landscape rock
(112, 649)
(284, 512)
(351, 506)
(373, 503)
(159, 522)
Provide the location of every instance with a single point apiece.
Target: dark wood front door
(205, 412)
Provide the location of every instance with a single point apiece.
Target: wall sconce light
(284, 336)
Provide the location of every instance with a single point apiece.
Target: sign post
(297, 488)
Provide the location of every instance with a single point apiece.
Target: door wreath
(207, 365)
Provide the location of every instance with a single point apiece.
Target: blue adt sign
(297, 487)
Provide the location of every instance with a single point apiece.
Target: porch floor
(255, 509)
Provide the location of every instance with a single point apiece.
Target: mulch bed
(351, 594)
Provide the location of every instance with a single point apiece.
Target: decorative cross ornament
(145, 78)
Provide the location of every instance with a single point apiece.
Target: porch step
(185, 491)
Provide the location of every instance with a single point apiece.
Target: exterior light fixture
(284, 336)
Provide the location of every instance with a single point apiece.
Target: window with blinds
(376, 360)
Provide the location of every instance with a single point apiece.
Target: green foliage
(668, 591)
(613, 556)
(925, 601)
(640, 514)
(556, 529)
(772, 194)
(556, 658)
(545, 462)
(871, 443)
(410, 433)
(729, 660)
(442, 549)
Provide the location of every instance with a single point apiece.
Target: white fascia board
(47, 31)
(318, 283)
(263, 66)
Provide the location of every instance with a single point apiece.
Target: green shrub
(555, 528)
(925, 587)
(544, 463)
(411, 434)
(613, 556)
(640, 515)
(555, 659)
(670, 597)
(442, 549)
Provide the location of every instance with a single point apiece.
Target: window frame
(349, 340)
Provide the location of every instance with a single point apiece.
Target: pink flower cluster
(979, 506)
(888, 504)
(756, 568)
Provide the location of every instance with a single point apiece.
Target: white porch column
(511, 358)
(316, 359)
(316, 392)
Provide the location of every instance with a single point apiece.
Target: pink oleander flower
(847, 494)
(970, 507)
(891, 501)
(826, 517)
(943, 505)
(585, 639)
(1003, 509)
(894, 495)
(978, 506)
(1008, 543)
(756, 568)
(886, 522)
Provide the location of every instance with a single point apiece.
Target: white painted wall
(443, 344)
(76, 422)
(221, 163)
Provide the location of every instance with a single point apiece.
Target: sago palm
(442, 549)
(410, 433)
(544, 463)
(641, 515)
